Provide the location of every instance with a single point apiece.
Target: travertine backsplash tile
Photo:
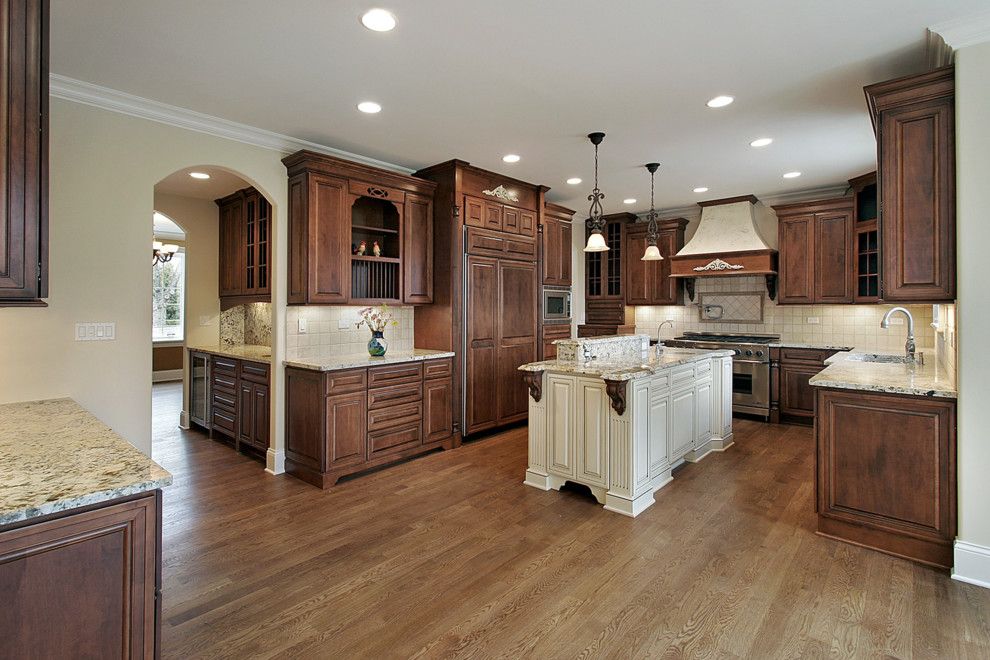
(247, 324)
(324, 338)
(853, 325)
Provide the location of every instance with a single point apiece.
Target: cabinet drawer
(256, 372)
(520, 248)
(438, 368)
(498, 244)
(808, 355)
(375, 190)
(224, 397)
(682, 376)
(703, 368)
(395, 374)
(394, 440)
(346, 382)
(224, 420)
(557, 331)
(393, 416)
(224, 365)
(392, 396)
(225, 380)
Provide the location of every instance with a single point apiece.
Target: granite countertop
(847, 371)
(248, 352)
(55, 455)
(627, 369)
(822, 346)
(337, 362)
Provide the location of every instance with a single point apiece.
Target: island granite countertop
(55, 456)
(249, 352)
(338, 362)
(848, 371)
(625, 368)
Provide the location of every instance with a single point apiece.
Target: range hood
(727, 242)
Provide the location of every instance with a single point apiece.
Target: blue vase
(377, 344)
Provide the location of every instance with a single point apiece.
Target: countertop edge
(81, 501)
(313, 364)
(213, 350)
(619, 374)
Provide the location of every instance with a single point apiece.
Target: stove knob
(749, 353)
(759, 353)
(736, 351)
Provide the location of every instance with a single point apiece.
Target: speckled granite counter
(848, 371)
(240, 351)
(336, 362)
(625, 368)
(54, 456)
(819, 346)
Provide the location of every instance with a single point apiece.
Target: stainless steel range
(750, 366)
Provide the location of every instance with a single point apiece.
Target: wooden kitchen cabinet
(556, 245)
(816, 255)
(606, 312)
(551, 333)
(866, 238)
(239, 400)
(886, 473)
(649, 282)
(84, 583)
(24, 152)
(334, 206)
(245, 248)
(792, 399)
(347, 421)
(914, 119)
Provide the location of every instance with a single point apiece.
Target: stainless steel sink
(883, 359)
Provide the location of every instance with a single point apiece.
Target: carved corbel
(616, 390)
(534, 379)
(772, 286)
(689, 286)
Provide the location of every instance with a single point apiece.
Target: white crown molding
(106, 98)
(968, 31)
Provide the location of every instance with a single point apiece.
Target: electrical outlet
(303, 325)
(814, 320)
(344, 324)
(106, 331)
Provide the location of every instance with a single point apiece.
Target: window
(168, 298)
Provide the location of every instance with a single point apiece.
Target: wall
(973, 237)
(840, 325)
(324, 337)
(104, 166)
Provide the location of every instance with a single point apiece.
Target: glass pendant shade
(596, 243)
(652, 254)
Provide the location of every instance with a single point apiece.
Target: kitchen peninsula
(615, 415)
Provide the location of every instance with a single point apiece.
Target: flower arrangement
(376, 318)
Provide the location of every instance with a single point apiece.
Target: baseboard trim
(275, 461)
(184, 420)
(167, 376)
(971, 564)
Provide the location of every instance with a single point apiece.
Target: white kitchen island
(613, 415)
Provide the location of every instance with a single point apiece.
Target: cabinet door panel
(261, 413)
(551, 251)
(245, 421)
(561, 432)
(592, 433)
(481, 388)
(329, 273)
(516, 326)
(638, 284)
(347, 420)
(565, 254)
(704, 430)
(833, 258)
(683, 430)
(493, 216)
(232, 241)
(659, 434)
(527, 223)
(510, 219)
(474, 212)
(797, 260)
(666, 290)
(797, 397)
(417, 250)
(438, 409)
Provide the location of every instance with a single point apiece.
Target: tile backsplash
(247, 324)
(324, 337)
(853, 325)
(945, 336)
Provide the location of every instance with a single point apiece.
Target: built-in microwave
(556, 304)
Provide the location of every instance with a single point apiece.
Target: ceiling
(220, 184)
(464, 80)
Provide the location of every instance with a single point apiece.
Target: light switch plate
(814, 320)
(102, 331)
(343, 324)
(303, 325)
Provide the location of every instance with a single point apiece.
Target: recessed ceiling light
(792, 175)
(720, 101)
(379, 20)
(510, 158)
(701, 189)
(199, 175)
(369, 107)
(629, 200)
(574, 181)
(761, 142)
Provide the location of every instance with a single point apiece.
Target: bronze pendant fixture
(596, 224)
(652, 232)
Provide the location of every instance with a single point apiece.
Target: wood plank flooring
(451, 556)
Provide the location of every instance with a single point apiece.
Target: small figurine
(353, 248)
(362, 249)
(376, 249)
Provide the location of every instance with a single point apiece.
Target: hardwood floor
(450, 555)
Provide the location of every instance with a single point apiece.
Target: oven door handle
(735, 361)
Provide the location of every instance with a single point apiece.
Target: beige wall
(104, 167)
(973, 311)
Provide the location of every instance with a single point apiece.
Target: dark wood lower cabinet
(551, 333)
(84, 583)
(348, 421)
(886, 473)
(792, 399)
(240, 401)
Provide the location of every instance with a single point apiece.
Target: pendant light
(652, 232)
(595, 223)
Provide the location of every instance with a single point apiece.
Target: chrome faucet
(660, 329)
(909, 347)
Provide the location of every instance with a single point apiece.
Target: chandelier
(652, 233)
(595, 223)
(162, 253)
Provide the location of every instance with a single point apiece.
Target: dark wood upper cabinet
(649, 282)
(24, 153)
(866, 238)
(336, 205)
(914, 118)
(556, 245)
(605, 307)
(245, 248)
(815, 245)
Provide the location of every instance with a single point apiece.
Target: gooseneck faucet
(660, 329)
(909, 347)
